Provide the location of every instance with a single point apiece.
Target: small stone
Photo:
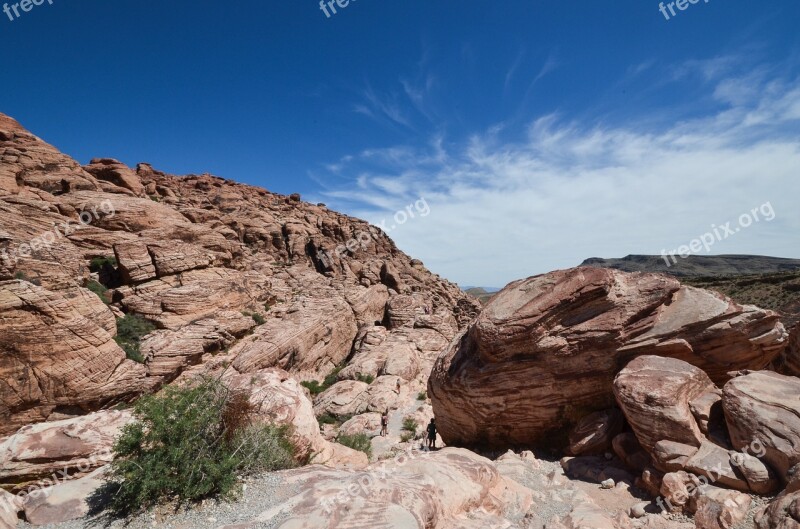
(638, 510)
(608, 484)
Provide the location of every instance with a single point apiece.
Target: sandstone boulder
(37, 453)
(68, 500)
(763, 414)
(594, 433)
(655, 393)
(721, 509)
(782, 513)
(10, 507)
(545, 350)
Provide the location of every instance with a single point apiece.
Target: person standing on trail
(432, 434)
(398, 386)
(385, 424)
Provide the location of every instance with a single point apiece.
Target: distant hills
(767, 282)
(700, 265)
(483, 294)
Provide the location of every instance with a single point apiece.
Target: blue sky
(538, 133)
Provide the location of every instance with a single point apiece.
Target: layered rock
(763, 414)
(231, 276)
(655, 394)
(58, 355)
(782, 513)
(545, 350)
(48, 452)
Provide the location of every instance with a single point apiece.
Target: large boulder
(763, 415)
(782, 513)
(65, 501)
(39, 453)
(278, 399)
(655, 394)
(545, 350)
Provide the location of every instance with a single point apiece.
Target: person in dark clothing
(432, 434)
(385, 424)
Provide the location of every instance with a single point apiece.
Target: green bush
(316, 388)
(410, 425)
(191, 443)
(98, 289)
(130, 331)
(258, 318)
(423, 395)
(369, 379)
(98, 263)
(359, 441)
(313, 386)
(407, 436)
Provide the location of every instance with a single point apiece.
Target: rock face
(37, 453)
(656, 393)
(783, 513)
(763, 413)
(448, 489)
(58, 353)
(545, 350)
(225, 272)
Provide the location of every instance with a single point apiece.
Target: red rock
(75, 446)
(763, 414)
(782, 513)
(594, 433)
(547, 348)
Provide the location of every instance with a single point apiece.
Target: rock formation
(223, 273)
(545, 350)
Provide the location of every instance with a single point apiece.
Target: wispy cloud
(381, 107)
(566, 191)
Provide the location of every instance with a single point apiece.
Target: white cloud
(501, 211)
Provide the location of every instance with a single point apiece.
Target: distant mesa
(700, 265)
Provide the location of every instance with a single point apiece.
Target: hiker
(385, 424)
(398, 386)
(432, 434)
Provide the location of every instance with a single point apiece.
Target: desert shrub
(359, 441)
(407, 436)
(99, 263)
(313, 386)
(191, 443)
(130, 331)
(423, 395)
(327, 418)
(410, 425)
(258, 318)
(369, 379)
(98, 289)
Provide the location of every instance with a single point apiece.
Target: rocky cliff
(115, 281)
